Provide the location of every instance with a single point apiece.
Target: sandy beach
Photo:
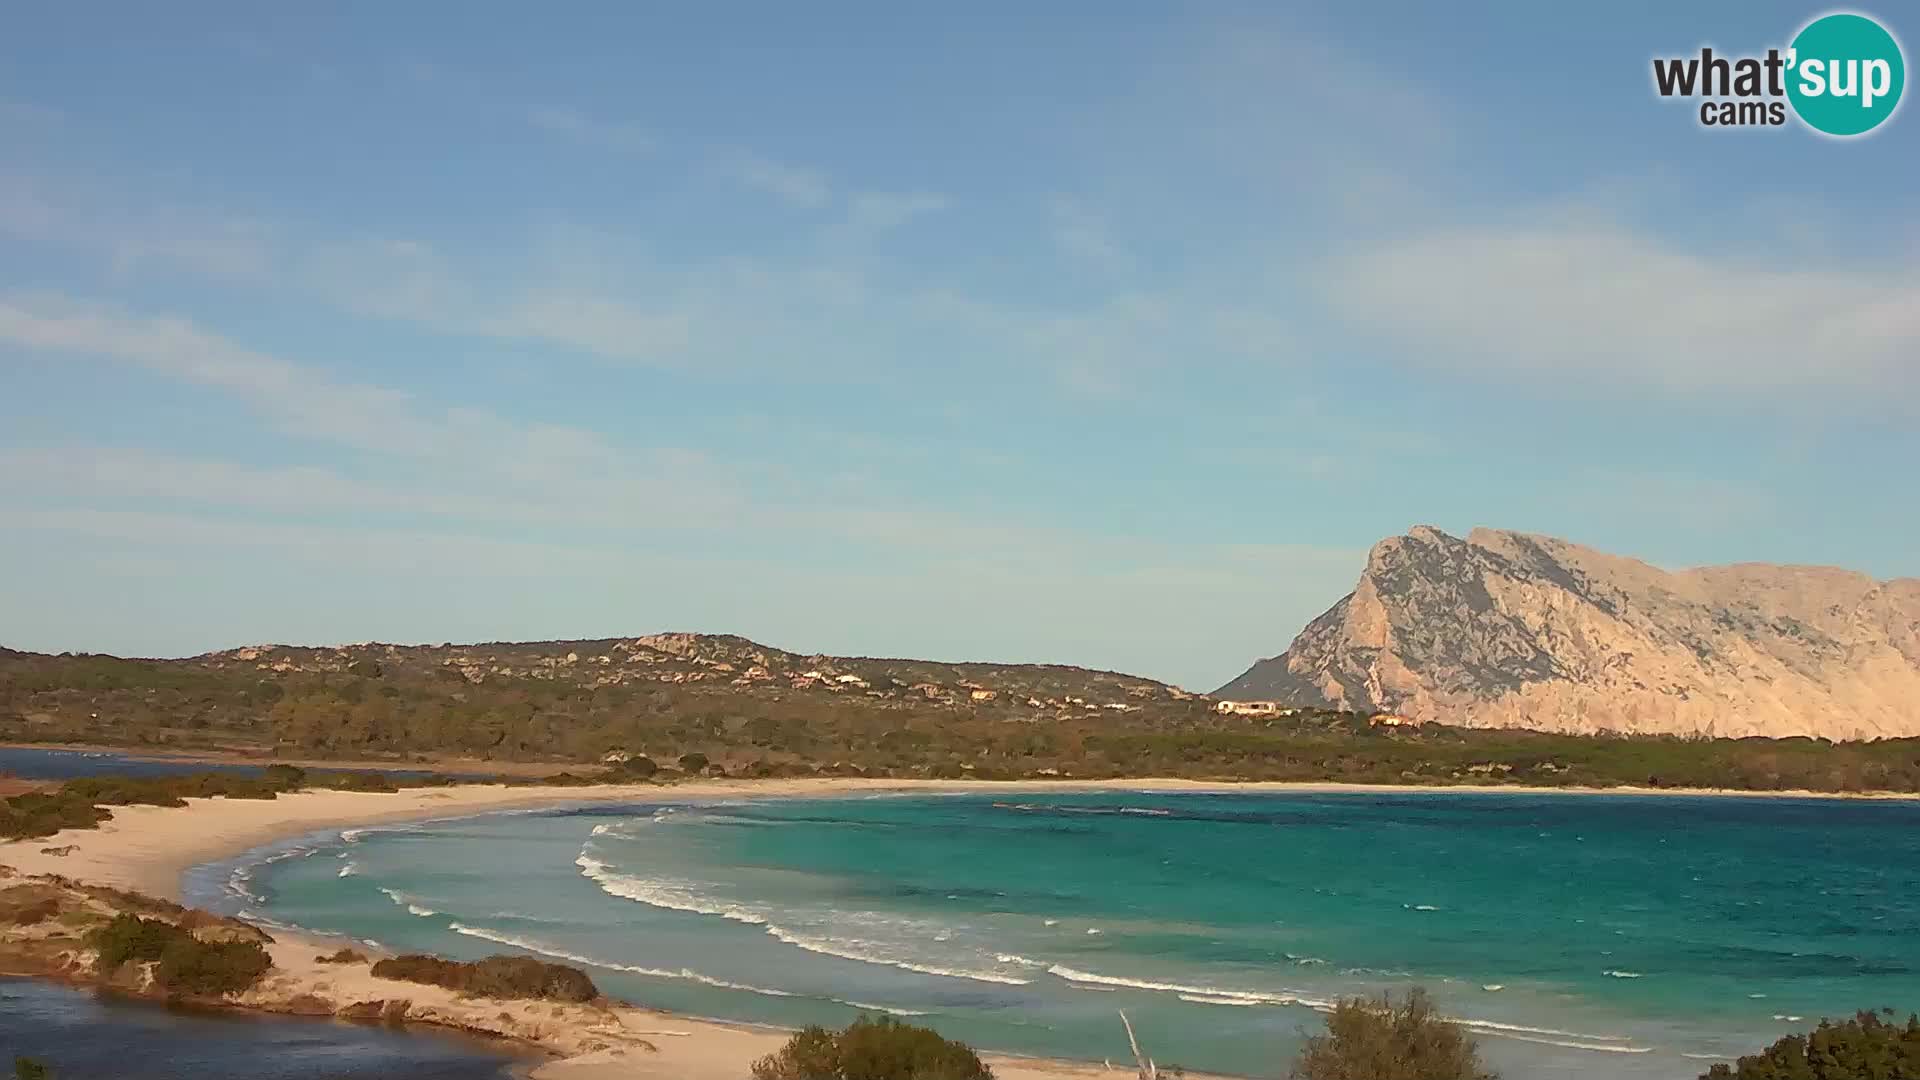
(148, 849)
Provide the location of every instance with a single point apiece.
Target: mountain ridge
(1511, 629)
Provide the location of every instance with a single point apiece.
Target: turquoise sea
(1578, 935)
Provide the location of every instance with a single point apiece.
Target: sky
(1109, 334)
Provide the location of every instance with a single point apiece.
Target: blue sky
(1109, 334)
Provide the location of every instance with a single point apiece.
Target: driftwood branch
(1147, 1069)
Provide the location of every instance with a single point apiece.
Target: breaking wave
(543, 949)
(682, 896)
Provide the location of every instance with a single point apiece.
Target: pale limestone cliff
(1504, 629)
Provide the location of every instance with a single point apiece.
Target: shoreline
(150, 849)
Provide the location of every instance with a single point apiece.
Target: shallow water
(1577, 935)
(83, 1036)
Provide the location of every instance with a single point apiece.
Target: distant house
(1252, 708)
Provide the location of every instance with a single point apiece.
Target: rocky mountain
(1504, 629)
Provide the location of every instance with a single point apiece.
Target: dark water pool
(83, 1036)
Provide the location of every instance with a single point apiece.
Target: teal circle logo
(1844, 75)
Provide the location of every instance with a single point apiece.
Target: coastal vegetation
(183, 963)
(872, 1048)
(686, 705)
(1863, 1048)
(502, 977)
(142, 946)
(1405, 1038)
(137, 944)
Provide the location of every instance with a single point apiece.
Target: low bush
(210, 969)
(1405, 1039)
(130, 938)
(343, 956)
(1863, 1048)
(504, 977)
(872, 1049)
(184, 964)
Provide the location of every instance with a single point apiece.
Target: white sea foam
(348, 870)
(1419, 907)
(674, 895)
(1093, 929)
(1214, 999)
(633, 969)
(1788, 1019)
(683, 896)
(411, 903)
(237, 883)
(1494, 988)
(882, 1008)
(870, 953)
(1614, 972)
(1576, 1044)
(1496, 1027)
(1247, 997)
(1213, 995)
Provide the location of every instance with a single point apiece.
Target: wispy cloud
(1570, 300)
(129, 237)
(1085, 237)
(880, 210)
(578, 127)
(792, 184)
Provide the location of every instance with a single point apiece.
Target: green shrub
(343, 956)
(210, 969)
(1863, 1048)
(872, 1049)
(130, 938)
(1373, 1039)
(639, 765)
(693, 763)
(286, 777)
(186, 965)
(25, 1068)
(505, 977)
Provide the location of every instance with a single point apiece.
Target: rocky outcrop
(1504, 629)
